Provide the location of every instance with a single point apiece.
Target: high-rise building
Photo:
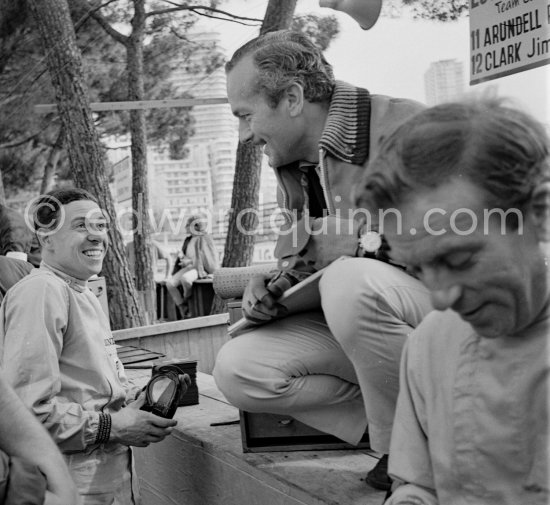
(444, 81)
(183, 187)
(215, 126)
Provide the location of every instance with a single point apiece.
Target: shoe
(378, 477)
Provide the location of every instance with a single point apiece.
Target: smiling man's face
(494, 280)
(78, 247)
(274, 128)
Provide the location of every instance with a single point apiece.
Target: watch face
(370, 241)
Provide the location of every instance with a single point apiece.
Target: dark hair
(46, 209)
(197, 224)
(500, 148)
(286, 57)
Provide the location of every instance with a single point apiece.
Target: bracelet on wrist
(103, 428)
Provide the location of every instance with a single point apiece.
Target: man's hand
(260, 302)
(131, 426)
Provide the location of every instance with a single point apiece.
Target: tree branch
(226, 19)
(107, 148)
(174, 32)
(196, 8)
(88, 15)
(23, 141)
(101, 21)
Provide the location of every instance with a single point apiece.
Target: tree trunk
(48, 178)
(140, 193)
(85, 154)
(278, 15)
(239, 248)
(2, 193)
(244, 208)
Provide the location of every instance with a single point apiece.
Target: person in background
(12, 270)
(32, 469)
(16, 242)
(196, 260)
(469, 188)
(15, 236)
(335, 368)
(58, 353)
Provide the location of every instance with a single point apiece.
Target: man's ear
(43, 237)
(295, 96)
(539, 209)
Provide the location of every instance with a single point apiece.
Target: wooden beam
(143, 104)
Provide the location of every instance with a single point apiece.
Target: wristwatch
(369, 243)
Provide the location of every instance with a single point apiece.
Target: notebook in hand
(299, 298)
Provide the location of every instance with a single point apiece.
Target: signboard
(507, 37)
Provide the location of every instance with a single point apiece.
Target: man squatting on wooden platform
(335, 368)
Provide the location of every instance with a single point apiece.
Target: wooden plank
(199, 338)
(130, 354)
(172, 326)
(128, 360)
(130, 351)
(202, 464)
(142, 104)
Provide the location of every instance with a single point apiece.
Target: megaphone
(365, 12)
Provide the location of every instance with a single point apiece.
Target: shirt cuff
(92, 428)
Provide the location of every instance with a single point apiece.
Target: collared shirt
(472, 415)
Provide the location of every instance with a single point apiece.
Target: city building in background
(215, 127)
(203, 180)
(444, 81)
(181, 187)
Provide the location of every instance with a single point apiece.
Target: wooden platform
(202, 463)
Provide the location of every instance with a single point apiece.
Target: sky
(392, 57)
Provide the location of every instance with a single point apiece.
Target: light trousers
(104, 478)
(184, 278)
(336, 369)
